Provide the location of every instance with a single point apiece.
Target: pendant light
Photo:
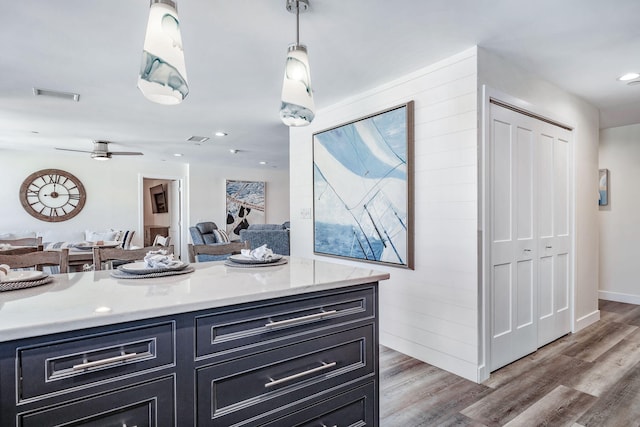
(297, 108)
(163, 75)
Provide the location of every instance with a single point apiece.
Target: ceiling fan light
(100, 156)
(163, 74)
(628, 76)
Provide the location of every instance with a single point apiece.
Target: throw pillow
(105, 236)
(221, 236)
(57, 245)
(127, 236)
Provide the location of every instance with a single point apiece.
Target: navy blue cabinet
(305, 360)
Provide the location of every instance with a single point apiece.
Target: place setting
(155, 264)
(261, 256)
(88, 246)
(21, 279)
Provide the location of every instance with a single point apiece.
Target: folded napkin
(160, 259)
(4, 270)
(262, 253)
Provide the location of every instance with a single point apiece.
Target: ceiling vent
(198, 139)
(56, 94)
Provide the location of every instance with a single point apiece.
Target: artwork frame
(603, 187)
(159, 202)
(244, 199)
(363, 188)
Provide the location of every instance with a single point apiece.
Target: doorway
(162, 206)
(528, 233)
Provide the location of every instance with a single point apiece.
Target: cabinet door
(150, 404)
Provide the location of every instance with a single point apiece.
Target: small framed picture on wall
(603, 187)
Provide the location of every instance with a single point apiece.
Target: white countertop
(82, 300)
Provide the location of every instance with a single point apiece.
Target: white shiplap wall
(431, 312)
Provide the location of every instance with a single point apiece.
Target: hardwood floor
(588, 379)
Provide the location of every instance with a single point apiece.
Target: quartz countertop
(81, 300)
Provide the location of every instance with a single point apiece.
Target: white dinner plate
(142, 268)
(243, 259)
(23, 276)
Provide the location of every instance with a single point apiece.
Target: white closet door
(513, 246)
(554, 242)
(530, 234)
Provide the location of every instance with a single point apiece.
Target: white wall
(619, 226)
(208, 192)
(547, 99)
(112, 192)
(431, 312)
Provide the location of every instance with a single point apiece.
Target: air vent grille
(56, 94)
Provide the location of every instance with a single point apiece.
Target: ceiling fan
(101, 151)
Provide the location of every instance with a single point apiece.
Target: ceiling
(235, 51)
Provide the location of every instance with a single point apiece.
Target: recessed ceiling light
(263, 163)
(628, 76)
(233, 151)
(178, 154)
(220, 133)
(198, 138)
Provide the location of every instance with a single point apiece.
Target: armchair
(275, 236)
(208, 233)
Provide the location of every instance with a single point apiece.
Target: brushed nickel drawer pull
(324, 366)
(107, 361)
(299, 319)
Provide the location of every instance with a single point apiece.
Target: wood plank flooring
(588, 379)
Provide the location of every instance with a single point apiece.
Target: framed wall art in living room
(363, 188)
(245, 205)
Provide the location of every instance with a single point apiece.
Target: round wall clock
(52, 195)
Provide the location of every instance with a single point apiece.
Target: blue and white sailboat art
(360, 189)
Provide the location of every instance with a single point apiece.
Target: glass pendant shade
(163, 75)
(297, 108)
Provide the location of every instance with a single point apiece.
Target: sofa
(208, 233)
(275, 236)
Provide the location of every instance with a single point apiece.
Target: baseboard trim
(585, 321)
(619, 297)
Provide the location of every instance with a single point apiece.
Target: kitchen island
(295, 344)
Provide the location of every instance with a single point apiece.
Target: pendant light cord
(297, 23)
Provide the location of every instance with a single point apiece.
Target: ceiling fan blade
(69, 149)
(126, 153)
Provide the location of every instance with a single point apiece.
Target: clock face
(52, 195)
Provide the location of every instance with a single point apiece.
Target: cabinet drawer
(259, 385)
(350, 409)
(148, 404)
(66, 365)
(223, 333)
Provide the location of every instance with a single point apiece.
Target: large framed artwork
(245, 205)
(363, 188)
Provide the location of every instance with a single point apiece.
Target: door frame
(484, 219)
(183, 206)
